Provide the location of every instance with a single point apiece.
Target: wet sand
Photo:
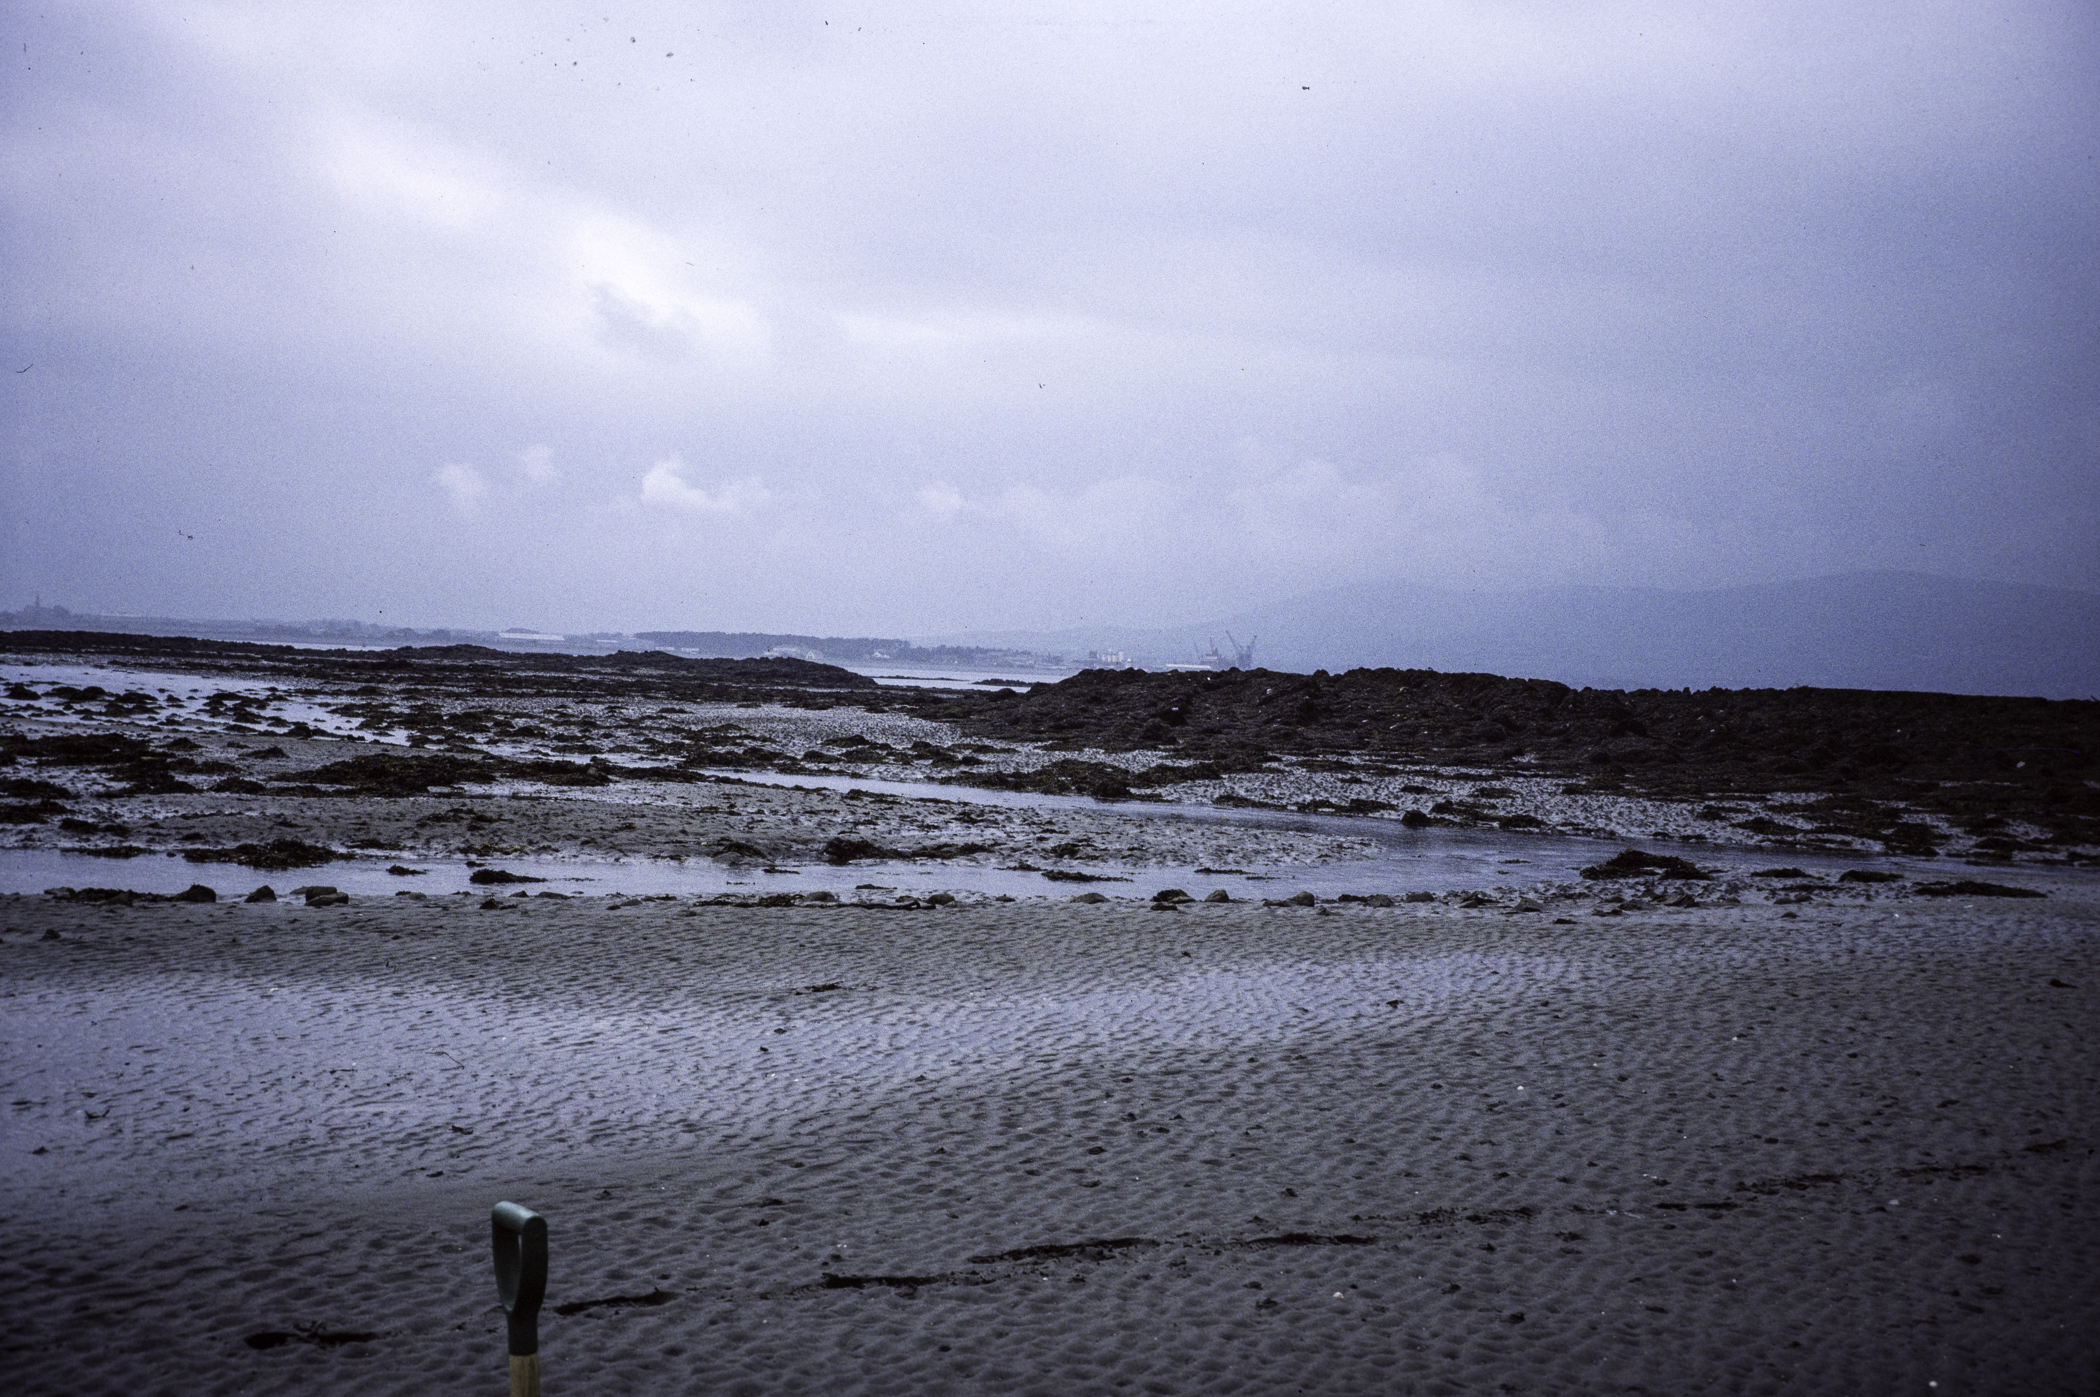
(1046, 1147)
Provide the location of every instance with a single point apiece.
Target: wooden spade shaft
(524, 1375)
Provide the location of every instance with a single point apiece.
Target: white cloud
(942, 501)
(666, 485)
(378, 167)
(464, 484)
(536, 463)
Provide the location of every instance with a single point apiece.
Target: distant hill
(1880, 630)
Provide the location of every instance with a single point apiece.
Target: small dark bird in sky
(25, 368)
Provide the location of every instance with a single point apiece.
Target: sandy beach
(1055, 1147)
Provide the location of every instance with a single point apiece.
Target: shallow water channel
(1428, 860)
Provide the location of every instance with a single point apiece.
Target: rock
(1969, 888)
(1869, 875)
(195, 892)
(265, 893)
(498, 875)
(1066, 776)
(1415, 819)
(842, 850)
(120, 897)
(1379, 900)
(1171, 895)
(377, 775)
(400, 872)
(1529, 904)
(1088, 897)
(1913, 837)
(1419, 897)
(330, 898)
(277, 854)
(1632, 863)
(942, 899)
(1218, 895)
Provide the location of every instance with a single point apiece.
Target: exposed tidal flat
(1074, 1147)
(856, 1098)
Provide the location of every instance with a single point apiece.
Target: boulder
(1632, 863)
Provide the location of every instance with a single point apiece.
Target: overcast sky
(917, 317)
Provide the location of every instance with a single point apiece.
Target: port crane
(1242, 655)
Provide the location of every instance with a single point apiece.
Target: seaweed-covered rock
(278, 854)
(1065, 777)
(841, 849)
(408, 775)
(1968, 887)
(1632, 863)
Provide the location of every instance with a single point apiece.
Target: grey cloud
(950, 317)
